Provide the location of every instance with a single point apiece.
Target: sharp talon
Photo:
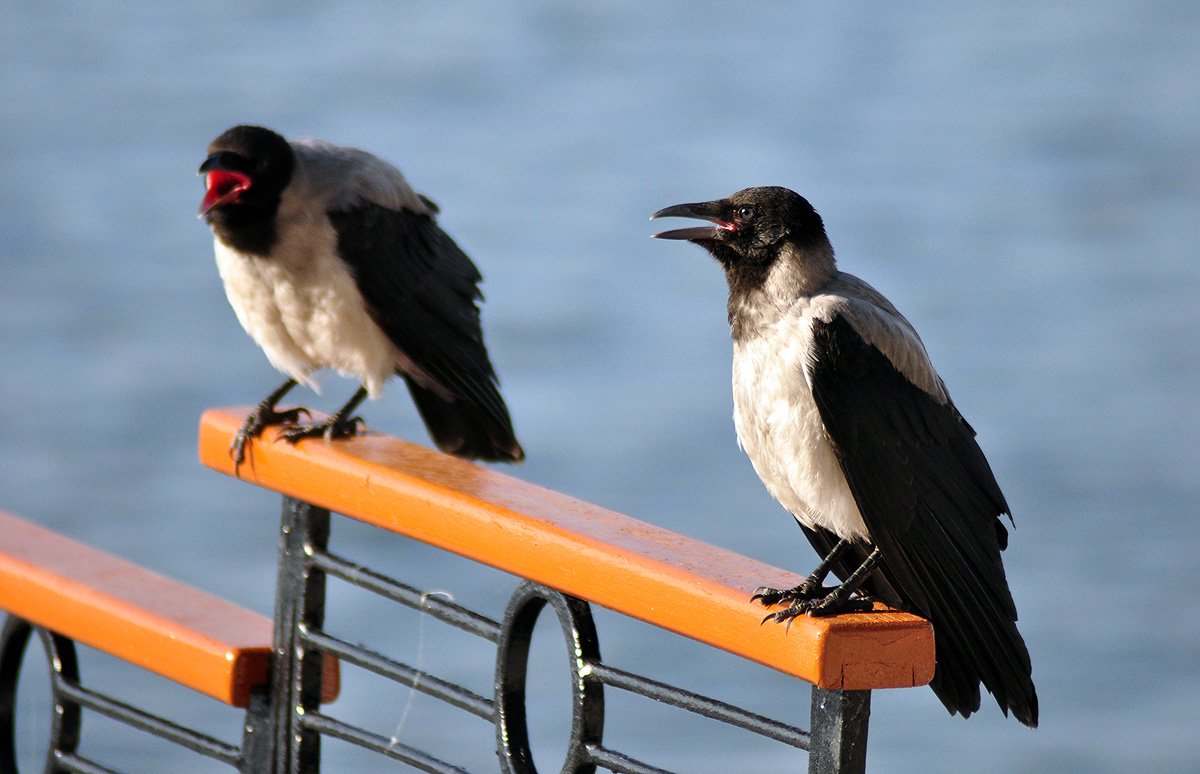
(330, 430)
(764, 591)
(239, 450)
(777, 617)
(806, 591)
(768, 596)
(294, 433)
(259, 419)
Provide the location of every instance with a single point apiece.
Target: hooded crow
(331, 260)
(852, 430)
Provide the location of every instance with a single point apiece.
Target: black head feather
(265, 162)
(751, 230)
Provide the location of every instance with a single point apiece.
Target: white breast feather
(780, 429)
(304, 309)
(777, 420)
(302, 306)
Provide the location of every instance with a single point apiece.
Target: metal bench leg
(257, 735)
(839, 731)
(296, 668)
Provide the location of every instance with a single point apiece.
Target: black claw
(829, 602)
(832, 605)
(808, 590)
(813, 598)
(767, 595)
(330, 429)
(253, 427)
(237, 450)
(786, 616)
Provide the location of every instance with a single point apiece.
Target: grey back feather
(882, 326)
(340, 178)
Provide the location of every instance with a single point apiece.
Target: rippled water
(1021, 180)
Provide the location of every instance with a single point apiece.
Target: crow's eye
(746, 213)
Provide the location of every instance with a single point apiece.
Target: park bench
(568, 555)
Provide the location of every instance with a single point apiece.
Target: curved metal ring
(64, 666)
(512, 662)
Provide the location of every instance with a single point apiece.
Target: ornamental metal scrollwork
(512, 663)
(64, 668)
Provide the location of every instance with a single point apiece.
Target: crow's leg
(339, 425)
(839, 600)
(811, 588)
(263, 414)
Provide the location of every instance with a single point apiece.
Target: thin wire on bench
(443, 690)
(389, 588)
(368, 740)
(592, 672)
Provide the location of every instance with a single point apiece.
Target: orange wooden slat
(166, 627)
(669, 580)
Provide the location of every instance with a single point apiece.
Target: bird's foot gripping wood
(810, 589)
(812, 598)
(340, 425)
(827, 601)
(252, 428)
(334, 427)
(263, 414)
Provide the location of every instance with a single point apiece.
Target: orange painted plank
(164, 626)
(682, 585)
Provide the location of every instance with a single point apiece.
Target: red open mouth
(224, 186)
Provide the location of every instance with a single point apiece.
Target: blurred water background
(1021, 179)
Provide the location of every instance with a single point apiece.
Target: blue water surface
(1022, 179)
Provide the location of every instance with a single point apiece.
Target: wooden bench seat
(167, 627)
(646, 572)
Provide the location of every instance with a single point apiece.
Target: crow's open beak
(710, 211)
(222, 184)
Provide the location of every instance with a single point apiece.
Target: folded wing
(422, 291)
(933, 508)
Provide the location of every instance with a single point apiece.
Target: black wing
(421, 289)
(933, 507)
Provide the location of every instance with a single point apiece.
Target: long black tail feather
(976, 637)
(463, 428)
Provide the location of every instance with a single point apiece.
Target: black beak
(710, 211)
(215, 161)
